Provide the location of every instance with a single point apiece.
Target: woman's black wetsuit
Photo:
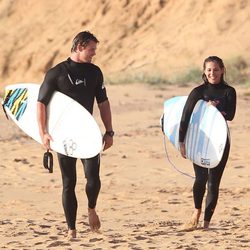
(225, 95)
(82, 82)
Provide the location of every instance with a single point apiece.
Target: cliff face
(162, 37)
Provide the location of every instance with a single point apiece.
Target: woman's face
(213, 72)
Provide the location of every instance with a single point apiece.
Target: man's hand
(107, 141)
(46, 138)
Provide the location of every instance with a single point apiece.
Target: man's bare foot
(71, 234)
(206, 225)
(94, 221)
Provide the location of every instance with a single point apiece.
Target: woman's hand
(182, 149)
(214, 103)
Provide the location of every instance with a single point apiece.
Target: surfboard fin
(162, 123)
(5, 111)
(4, 102)
(48, 161)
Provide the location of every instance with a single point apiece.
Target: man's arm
(106, 117)
(41, 119)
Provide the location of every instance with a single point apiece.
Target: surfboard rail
(74, 130)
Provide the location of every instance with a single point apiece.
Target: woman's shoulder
(199, 88)
(229, 87)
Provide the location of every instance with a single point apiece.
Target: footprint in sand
(239, 167)
(174, 201)
(37, 233)
(95, 239)
(116, 241)
(45, 226)
(58, 244)
(141, 238)
(24, 161)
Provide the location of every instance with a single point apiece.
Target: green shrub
(192, 75)
(236, 71)
(138, 78)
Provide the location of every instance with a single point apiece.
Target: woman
(218, 93)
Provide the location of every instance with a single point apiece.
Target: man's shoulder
(58, 66)
(94, 66)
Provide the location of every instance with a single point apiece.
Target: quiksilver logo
(78, 81)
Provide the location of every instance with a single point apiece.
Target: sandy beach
(143, 202)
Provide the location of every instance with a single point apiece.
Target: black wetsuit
(226, 97)
(83, 82)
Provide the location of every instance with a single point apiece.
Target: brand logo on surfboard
(205, 162)
(69, 146)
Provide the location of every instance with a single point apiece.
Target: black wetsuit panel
(69, 178)
(83, 82)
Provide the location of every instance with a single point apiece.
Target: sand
(143, 203)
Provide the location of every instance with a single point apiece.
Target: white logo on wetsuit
(78, 81)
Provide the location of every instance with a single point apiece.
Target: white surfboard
(206, 135)
(74, 131)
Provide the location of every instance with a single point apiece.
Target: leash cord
(175, 168)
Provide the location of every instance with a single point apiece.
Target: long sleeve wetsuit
(225, 95)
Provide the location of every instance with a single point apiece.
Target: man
(81, 80)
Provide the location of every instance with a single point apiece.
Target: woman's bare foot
(192, 224)
(71, 234)
(94, 221)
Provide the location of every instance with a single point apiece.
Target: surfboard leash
(48, 161)
(171, 163)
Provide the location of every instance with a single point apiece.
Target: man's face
(88, 52)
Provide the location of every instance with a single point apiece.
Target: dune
(159, 38)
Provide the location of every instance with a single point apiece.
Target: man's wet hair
(83, 38)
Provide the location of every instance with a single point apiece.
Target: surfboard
(206, 135)
(73, 129)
